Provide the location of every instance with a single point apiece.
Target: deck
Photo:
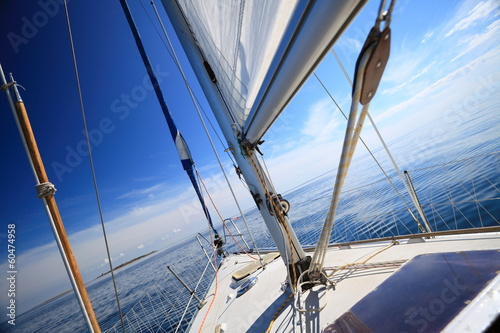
(254, 310)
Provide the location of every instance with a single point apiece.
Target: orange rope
(269, 328)
(215, 267)
(239, 245)
(279, 217)
(215, 294)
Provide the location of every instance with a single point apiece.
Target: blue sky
(443, 66)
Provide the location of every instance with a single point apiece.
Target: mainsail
(250, 58)
(261, 52)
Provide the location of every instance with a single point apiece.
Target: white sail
(261, 51)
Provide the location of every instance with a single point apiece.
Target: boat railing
(463, 194)
(227, 224)
(454, 195)
(171, 302)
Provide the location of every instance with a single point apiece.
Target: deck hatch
(424, 295)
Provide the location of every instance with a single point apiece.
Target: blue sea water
(365, 211)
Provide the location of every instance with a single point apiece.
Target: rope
(176, 60)
(351, 137)
(96, 190)
(380, 136)
(277, 313)
(383, 264)
(218, 213)
(277, 213)
(364, 261)
(355, 123)
(45, 189)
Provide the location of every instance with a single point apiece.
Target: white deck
(254, 310)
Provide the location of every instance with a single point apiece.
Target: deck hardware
(238, 233)
(416, 202)
(246, 286)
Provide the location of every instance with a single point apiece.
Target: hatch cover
(424, 295)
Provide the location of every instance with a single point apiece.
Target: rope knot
(45, 189)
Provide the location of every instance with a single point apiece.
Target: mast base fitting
(300, 267)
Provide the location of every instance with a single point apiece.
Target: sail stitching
(224, 67)
(238, 36)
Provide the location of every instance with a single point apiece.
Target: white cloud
(478, 13)
(350, 46)
(454, 86)
(142, 192)
(406, 82)
(490, 35)
(321, 124)
(427, 37)
(141, 246)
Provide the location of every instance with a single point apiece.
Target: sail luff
(180, 143)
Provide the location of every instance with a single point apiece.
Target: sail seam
(238, 36)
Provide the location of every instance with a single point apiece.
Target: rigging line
(220, 216)
(187, 83)
(341, 66)
(280, 219)
(267, 172)
(207, 133)
(366, 146)
(216, 269)
(385, 147)
(94, 178)
(154, 26)
(424, 219)
(354, 126)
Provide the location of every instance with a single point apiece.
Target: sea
(457, 180)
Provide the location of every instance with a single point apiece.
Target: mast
(45, 191)
(268, 203)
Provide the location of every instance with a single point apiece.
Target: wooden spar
(50, 204)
